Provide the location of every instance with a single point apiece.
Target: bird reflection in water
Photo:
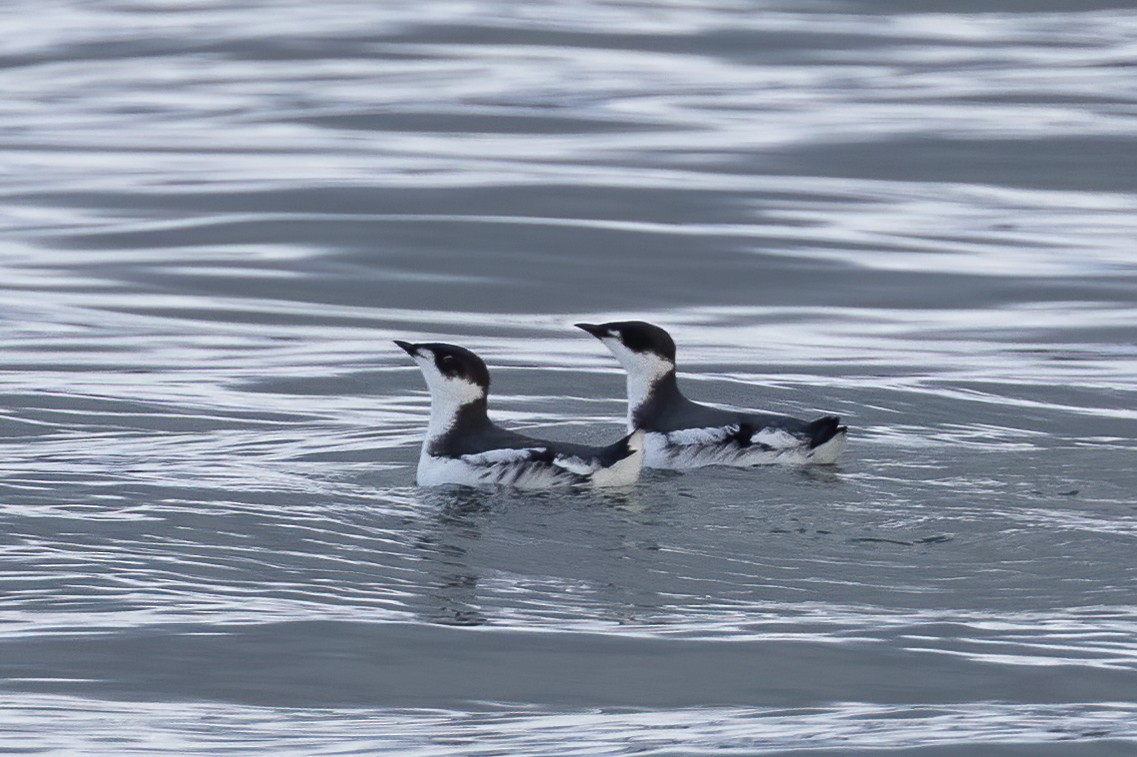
(459, 516)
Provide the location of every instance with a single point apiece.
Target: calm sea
(215, 217)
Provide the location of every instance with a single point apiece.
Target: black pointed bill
(410, 349)
(597, 331)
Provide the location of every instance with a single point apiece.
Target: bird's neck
(448, 412)
(648, 391)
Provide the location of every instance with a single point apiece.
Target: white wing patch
(496, 456)
(697, 436)
(778, 438)
(577, 465)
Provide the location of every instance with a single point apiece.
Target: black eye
(448, 360)
(637, 341)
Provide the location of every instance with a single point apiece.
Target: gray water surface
(216, 216)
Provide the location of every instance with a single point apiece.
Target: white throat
(444, 412)
(644, 370)
(447, 397)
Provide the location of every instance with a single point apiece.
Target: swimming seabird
(685, 434)
(463, 446)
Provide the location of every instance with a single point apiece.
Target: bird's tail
(626, 447)
(823, 429)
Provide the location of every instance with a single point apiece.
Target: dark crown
(452, 361)
(640, 336)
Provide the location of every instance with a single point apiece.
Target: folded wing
(549, 463)
(529, 466)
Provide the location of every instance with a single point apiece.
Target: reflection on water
(453, 580)
(216, 218)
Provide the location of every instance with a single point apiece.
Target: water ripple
(216, 218)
